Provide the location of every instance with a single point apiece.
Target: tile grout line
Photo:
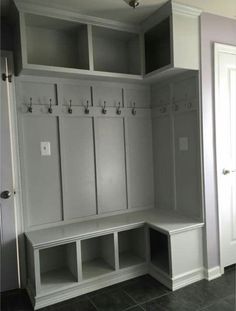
(90, 300)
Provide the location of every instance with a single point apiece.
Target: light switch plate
(183, 143)
(45, 147)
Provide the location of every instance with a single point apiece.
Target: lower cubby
(159, 250)
(132, 247)
(98, 256)
(58, 266)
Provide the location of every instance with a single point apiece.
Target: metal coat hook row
(133, 109)
(69, 108)
(50, 106)
(118, 110)
(86, 110)
(104, 111)
(30, 108)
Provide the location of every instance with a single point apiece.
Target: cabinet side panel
(186, 41)
(186, 250)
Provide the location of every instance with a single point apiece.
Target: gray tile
(169, 302)
(199, 295)
(145, 289)
(220, 306)
(136, 308)
(112, 301)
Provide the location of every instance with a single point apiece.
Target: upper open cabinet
(171, 40)
(53, 42)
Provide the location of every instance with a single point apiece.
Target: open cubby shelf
(159, 250)
(158, 46)
(58, 266)
(116, 51)
(55, 42)
(98, 256)
(132, 249)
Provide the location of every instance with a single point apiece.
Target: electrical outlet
(183, 143)
(45, 147)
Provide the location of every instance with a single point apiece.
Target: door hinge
(7, 77)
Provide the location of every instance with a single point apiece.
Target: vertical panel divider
(95, 165)
(127, 166)
(116, 250)
(173, 141)
(90, 47)
(37, 274)
(79, 261)
(142, 53)
(61, 149)
(148, 247)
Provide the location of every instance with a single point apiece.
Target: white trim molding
(213, 273)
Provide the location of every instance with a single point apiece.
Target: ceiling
(119, 10)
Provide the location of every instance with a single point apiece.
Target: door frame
(219, 48)
(15, 167)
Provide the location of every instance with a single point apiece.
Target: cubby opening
(159, 250)
(98, 256)
(58, 266)
(132, 247)
(116, 51)
(158, 46)
(56, 42)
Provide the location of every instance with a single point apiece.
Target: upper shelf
(53, 44)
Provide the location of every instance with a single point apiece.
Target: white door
(225, 113)
(9, 263)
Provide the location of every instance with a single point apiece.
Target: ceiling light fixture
(133, 3)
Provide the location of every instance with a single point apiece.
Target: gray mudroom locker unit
(110, 150)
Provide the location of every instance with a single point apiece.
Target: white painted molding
(185, 10)
(188, 278)
(178, 281)
(213, 273)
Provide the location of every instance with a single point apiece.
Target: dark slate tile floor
(142, 294)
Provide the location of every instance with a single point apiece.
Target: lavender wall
(222, 30)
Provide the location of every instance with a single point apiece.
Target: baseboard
(213, 273)
(45, 300)
(188, 278)
(178, 281)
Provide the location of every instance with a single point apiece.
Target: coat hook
(118, 110)
(86, 110)
(30, 108)
(50, 106)
(70, 109)
(133, 109)
(104, 111)
(163, 109)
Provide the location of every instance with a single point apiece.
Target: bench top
(166, 222)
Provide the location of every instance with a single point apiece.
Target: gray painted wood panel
(163, 168)
(109, 95)
(137, 97)
(41, 93)
(78, 94)
(41, 174)
(140, 162)
(187, 168)
(78, 167)
(110, 160)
